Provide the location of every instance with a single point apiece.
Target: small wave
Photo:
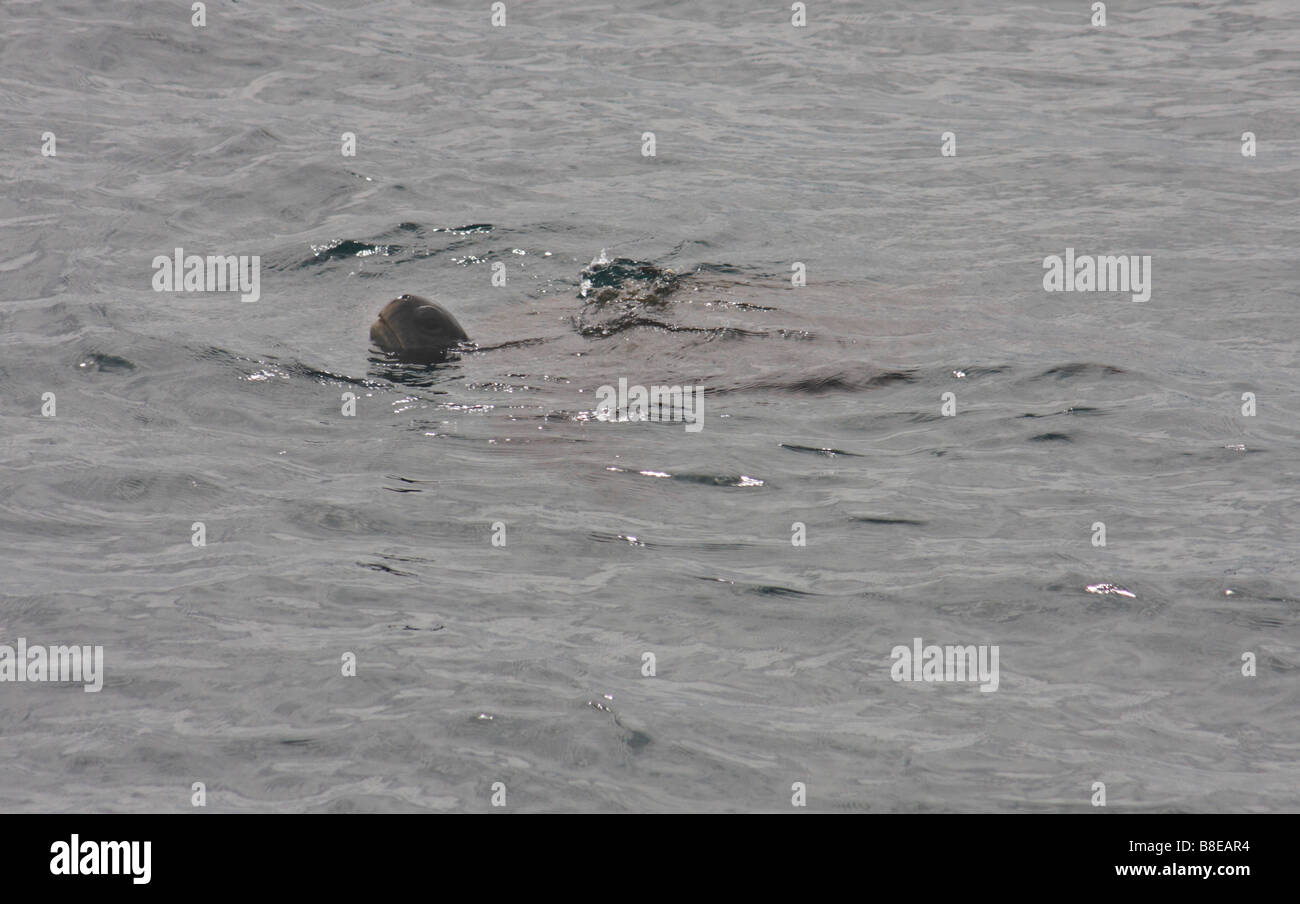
(405, 245)
(633, 319)
(378, 566)
(839, 381)
(713, 480)
(1080, 369)
(815, 450)
(1110, 590)
(1073, 410)
(876, 519)
(104, 363)
(759, 589)
(341, 248)
(643, 543)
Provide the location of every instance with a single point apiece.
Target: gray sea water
(371, 536)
